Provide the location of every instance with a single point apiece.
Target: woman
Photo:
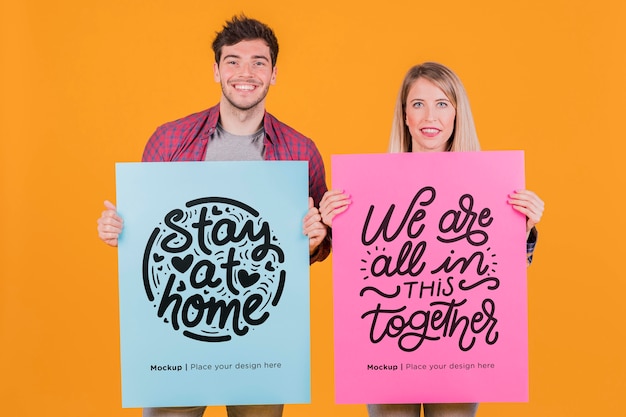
(433, 115)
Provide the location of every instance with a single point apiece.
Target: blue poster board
(213, 283)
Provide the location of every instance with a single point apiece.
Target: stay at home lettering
(213, 269)
(418, 301)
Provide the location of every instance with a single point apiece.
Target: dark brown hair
(241, 28)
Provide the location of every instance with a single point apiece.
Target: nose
(246, 69)
(431, 114)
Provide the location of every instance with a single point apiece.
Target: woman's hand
(333, 203)
(529, 204)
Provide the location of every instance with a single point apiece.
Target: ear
(274, 72)
(216, 72)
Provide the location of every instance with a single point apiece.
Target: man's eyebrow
(239, 57)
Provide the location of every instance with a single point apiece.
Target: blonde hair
(464, 137)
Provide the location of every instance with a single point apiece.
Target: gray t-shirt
(225, 146)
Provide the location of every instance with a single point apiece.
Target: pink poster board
(429, 279)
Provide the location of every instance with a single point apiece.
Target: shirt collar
(268, 125)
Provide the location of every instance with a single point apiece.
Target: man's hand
(109, 225)
(313, 227)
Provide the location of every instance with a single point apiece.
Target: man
(238, 128)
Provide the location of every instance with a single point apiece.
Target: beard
(241, 104)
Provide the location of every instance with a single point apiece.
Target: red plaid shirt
(186, 139)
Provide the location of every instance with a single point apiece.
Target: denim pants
(232, 411)
(430, 410)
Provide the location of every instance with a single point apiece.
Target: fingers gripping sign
(529, 204)
(109, 224)
(333, 203)
(313, 227)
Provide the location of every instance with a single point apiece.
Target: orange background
(84, 84)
